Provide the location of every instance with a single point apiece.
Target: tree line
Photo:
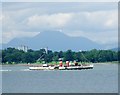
(12, 55)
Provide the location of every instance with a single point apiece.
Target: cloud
(52, 21)
(94, 21)
(90, 20)
(112, 21)
(7, 36)
(84, 21)
(54, 7)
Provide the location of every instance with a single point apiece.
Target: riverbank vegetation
(15, 56)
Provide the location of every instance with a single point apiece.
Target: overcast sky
(95, 21)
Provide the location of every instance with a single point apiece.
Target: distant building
(46, 50)
(23, 47)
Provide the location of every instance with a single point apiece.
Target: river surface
(103, 78)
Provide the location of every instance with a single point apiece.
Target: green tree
(68, 56)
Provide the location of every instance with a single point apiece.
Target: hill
(56, 41)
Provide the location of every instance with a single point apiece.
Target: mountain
(115, 49)
(56, 41)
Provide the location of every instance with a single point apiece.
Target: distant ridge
(115, 49)
(56, 41)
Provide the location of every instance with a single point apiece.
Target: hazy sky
(95, 21)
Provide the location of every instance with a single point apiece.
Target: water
(102, 79)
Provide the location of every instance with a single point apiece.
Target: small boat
(67, 66)
(63, 67)
(43, 67)
(79, 67)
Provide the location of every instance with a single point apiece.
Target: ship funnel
(67, 63)
(60, 63)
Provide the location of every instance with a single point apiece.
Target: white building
(23, 47)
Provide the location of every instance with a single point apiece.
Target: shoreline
(34, 64)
